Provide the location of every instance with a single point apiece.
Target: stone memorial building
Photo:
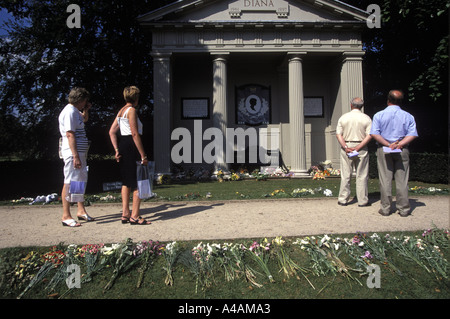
(286, 69)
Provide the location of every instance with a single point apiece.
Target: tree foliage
(42, 59)
(410, 50)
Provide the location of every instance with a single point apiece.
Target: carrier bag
(78, 184)
(144, 181)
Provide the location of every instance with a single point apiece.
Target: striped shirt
(70, 119)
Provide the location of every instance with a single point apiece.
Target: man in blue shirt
(393, 129)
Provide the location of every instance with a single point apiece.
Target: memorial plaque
(313, 106)
(253, 104)
(195, 108)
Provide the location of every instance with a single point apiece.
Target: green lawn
(252, 189)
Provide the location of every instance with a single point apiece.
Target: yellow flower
(278, 241)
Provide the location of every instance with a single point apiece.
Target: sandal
(136, 221)
(70, 223)
(86, 218)
(125, 220)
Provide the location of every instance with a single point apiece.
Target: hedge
(424, 167)
(33, 178)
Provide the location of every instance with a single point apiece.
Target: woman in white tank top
(124, 122)
(129, 149)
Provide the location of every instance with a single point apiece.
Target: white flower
(328, 192)
(171, 246)
(109, 250)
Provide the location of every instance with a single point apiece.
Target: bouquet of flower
(148, 251)
(92, 257)
(299, 192)
(355, 249)
(259, 252)
(437, 237)
(238, 252)
(332, 246)
(428, 190)
(288, 266)
(324, 253)
(321, 265)
(426, 256)
(377, 246)
(124, 260)
(200, 261)
(170, 254)
(277, 193)
(225, 258)
(41, 274)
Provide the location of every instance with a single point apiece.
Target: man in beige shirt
(353, 134)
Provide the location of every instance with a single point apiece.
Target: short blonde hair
(131, 94)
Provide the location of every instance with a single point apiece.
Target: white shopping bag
(144, 181)
(78, 184)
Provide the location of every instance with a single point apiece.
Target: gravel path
(41, 226)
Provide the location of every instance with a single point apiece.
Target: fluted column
(296, 116)
(162, 112)
(220, 101)
(351, 78)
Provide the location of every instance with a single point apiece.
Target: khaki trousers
(395, 166)
(361, 165)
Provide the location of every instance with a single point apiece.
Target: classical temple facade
(285, 69)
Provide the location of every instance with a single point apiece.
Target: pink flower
(367, 255)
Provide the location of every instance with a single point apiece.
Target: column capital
(220, 56)
(352, 56)
(296, 56)
(161, 55)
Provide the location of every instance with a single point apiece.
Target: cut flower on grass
(200, 262)
(287, 265)
(170, 253)
(425, 254)
(324, 255)
(259, 252)
(147, 251)
(226, 255)
(428, 190)
(300, 192)
(123, 261)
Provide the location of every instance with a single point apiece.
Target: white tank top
(124, 124)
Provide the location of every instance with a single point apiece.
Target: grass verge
(342, 274)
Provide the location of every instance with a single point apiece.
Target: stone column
(296, 116)
(162, 115)
(220, 101)
(351, 78)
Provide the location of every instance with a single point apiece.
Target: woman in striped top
(74, 148)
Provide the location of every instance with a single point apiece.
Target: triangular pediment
(253, 11)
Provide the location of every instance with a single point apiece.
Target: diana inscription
(280, 7)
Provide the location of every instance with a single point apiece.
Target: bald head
(395, 97)
(357, 103)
